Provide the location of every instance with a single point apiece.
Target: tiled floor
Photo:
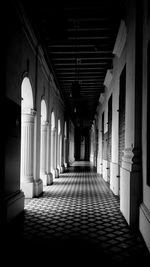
(77, 220)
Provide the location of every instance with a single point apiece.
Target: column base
(50, 178)
(144, 224)
(101, 168)
(114, 178)
(28, 189)
(56, 173)
(62, 169)
(44, 178)
(98, 165)
(13, 206)
(53, 174)
(105, 172)
(92, 159)
(130, 196)
(131, 186)
(38, 187)
(65, 164)
(71, 162)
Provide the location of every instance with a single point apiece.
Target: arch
(59, 144)
(43, 110)
(65, 130)
(59, 127)
(52, 120)
(27, 95)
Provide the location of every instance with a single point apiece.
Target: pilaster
(65, 152)
(114, 178)
(131, 185)
(144, 224)
(53, 151)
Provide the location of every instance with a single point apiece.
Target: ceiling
(78, 39)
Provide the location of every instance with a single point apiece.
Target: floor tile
(79, 216)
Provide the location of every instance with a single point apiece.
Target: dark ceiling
(78, 40)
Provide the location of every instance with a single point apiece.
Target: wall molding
(108, 77)
(101, 99)
(131, 159)
(121, 39)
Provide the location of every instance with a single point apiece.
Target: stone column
(43, 158)
(27, 148)
(65, 152)
(48, 165)
(61, 156)
(131, 185)
(53, 151)
(56, 154)
(114, 167)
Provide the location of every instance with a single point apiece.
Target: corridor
(77, 219)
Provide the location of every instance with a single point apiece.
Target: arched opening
(59, 145)
(43, 146)
(43, 111)
(53, 143)
(52, 120)
(27, 96)
(59, 128)
(82, 148)
(27, 138)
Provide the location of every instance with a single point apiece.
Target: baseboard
(14, 205)
(144, 224)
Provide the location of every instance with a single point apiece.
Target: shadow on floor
(76, 221)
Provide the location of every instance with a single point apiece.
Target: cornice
(26, 26)
(37, 48)
(108, 77)
(121, 39)
(101, 99)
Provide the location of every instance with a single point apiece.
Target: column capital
(28, 111)
(33, 112)
(131, 159)
(27, 118)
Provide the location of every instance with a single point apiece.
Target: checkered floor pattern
(79, 216)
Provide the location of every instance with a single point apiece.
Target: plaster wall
(144, 222)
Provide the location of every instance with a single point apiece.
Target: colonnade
(119, 134)
(54, 144)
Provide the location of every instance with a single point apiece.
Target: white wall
(144, 223)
